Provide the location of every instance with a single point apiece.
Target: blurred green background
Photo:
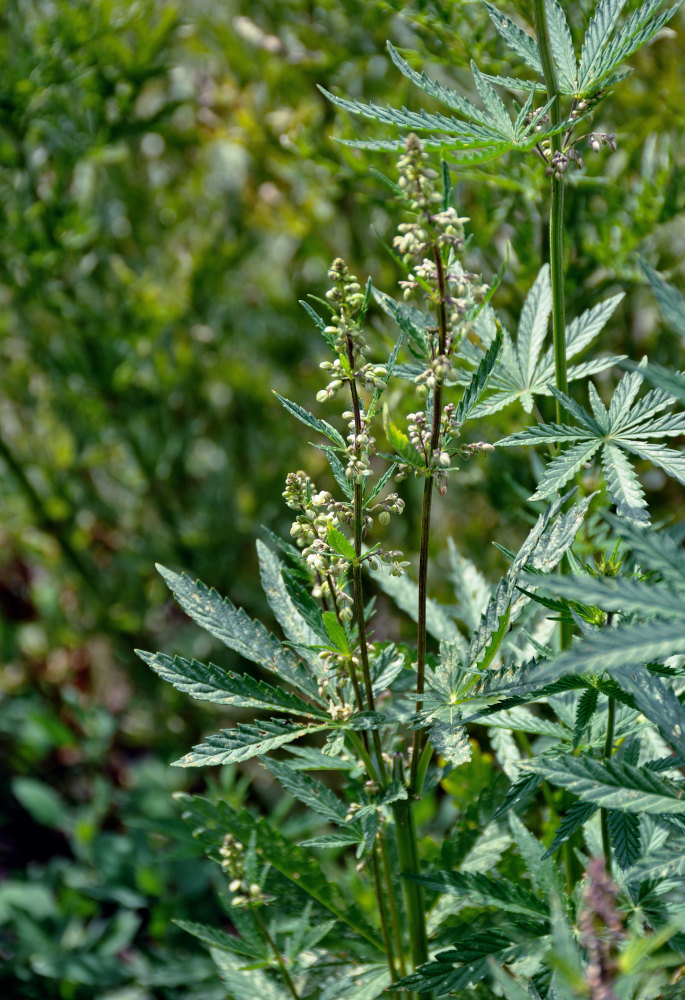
(169, 190)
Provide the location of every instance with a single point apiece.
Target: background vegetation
(169, 190)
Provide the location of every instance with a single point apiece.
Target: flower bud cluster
(244, 893)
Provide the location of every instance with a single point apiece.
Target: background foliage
(169, 190)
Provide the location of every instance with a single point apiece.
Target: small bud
(346, 614)
(384, 517)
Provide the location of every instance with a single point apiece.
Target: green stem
(608, 753)
(387, 940)
(556, 217)
(418, 741)
(403, 813)
(392, 903)
(279, 958)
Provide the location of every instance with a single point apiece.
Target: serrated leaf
(493, 103)
(243, 982)
(623, 485)
(401, 444)
(287, 858)
(207, 682)
(336, 633)
(624, 835)
(305, 417)
(584, 712)
(533, 323)
(670, 301)
(294, 625)
(319, 323)
(561, 43)
(235, 629)
(521, 42)
(479, 381)
(443, 94)
(563, 468)
(340, 543)
(219, 939)
(338, 470)
(244, 741)
(312, 793)
(520, 790)
(411, 322)
(576, 817)
(657, 701)
(611, 784)
(471, 589)
(596, 39)
(482, 890)
(638, 29)
(450, 740)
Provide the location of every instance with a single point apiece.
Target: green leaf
(411, 322)
(295, 626)
(340, 544)
(657, 701)
(587, 703)
(561, 44)
(623, 485)
(479, 381)
(443, 94)
(338, 470)
(471, 589)
(45, 805)
(235, 629)
(525, 786)
(244, 741)
(314, 794)
(305, 417)
(305, 605)
(450, 740)
(494, 104)
(287, 858)
(611, 784)
(670, 301)
(219, 939)
(207, 682)
(336, 633)
(482, 890)
(595, 41)
(532, 327)
(638, 29)
(563, 468)
(625, 645)
(319, 323)
(624, 835)
(401, 444)
(521, 42)
(576, 817)
(244, 983)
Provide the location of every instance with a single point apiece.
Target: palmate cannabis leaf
(481, 134)
(624, 426)
(524, 371)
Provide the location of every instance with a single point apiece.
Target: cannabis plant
(499, 809)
